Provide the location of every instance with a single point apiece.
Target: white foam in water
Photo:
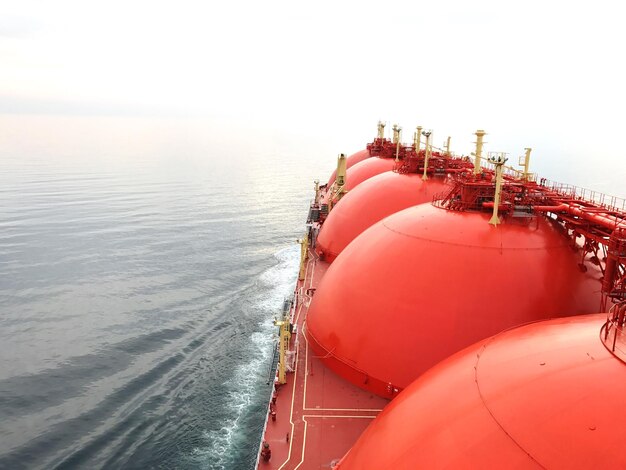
(276, 284)
(281, 278)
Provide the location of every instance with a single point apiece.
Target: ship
(451, 311)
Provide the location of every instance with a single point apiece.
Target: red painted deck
(319, 415)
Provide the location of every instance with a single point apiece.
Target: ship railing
(507, 170)
(438, 149)
(440, 198)
(267, 415)
(439, 201)
(597, 198)
(568, 191)
(613, 332)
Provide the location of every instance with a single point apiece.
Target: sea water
(142, 262)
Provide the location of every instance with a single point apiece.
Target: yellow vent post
(398, 142)
(428, 151)
(498, 160)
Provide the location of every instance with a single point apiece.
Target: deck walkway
(318, 414)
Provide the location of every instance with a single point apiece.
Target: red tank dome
(545, 395)
(367, 169)
(350, 161)
(426, 282)
(371, 201)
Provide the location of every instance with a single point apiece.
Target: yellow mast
(479, 150)
(284, 335)
(304, 252)
(398, 142)
(381, 130)
(340, 178)
(317, 191)
(526, 164)
(419, 139)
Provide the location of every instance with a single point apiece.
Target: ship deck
(319, 415)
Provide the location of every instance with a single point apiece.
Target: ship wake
(246, 391)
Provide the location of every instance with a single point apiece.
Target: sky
(545, 74)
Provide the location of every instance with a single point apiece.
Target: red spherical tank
(425, 282)
(545, 395)
(367, 169)
(371, 201)
(351, 160)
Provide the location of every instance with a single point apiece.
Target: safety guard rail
(613, 333)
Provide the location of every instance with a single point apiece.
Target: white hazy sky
(550, 74)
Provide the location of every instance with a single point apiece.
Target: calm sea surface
(141, 264)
